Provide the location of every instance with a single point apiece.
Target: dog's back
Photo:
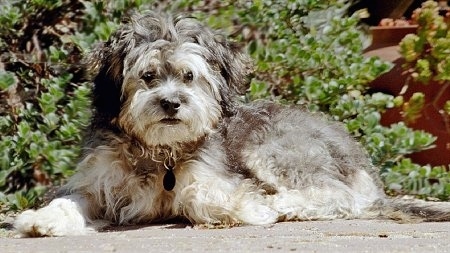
(313, 168)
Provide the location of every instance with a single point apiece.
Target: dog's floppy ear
(105, 64)
(226, 56)
(235, 66)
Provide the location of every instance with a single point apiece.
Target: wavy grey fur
(164, 99)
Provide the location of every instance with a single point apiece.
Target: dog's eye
(188, 76)
(148, 76)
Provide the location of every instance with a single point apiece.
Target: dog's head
(166, 80)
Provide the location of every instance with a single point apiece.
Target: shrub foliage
(305, 52)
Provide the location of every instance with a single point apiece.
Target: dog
(170, 139)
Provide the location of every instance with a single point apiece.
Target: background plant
(427, 52)
(310, 53)
(306, 52)
(44, 98)
(427, 55)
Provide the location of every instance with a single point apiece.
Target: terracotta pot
(433, 119)
(389, 36)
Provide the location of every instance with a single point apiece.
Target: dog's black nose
(170, 107)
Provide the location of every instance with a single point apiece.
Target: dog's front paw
(257, 214)
(62, 217)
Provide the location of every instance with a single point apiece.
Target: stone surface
(313, 236)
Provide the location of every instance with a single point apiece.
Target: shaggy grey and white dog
(168, 140)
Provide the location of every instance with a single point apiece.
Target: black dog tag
(169, 180)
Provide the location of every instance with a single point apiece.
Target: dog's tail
(413, 210)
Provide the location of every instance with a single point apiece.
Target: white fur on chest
(205, 192)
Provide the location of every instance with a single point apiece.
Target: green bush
(44, 98)
(406, 177)
(427, 57)
(310, 53)
(305, 52)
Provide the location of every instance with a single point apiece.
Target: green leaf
(7, 79)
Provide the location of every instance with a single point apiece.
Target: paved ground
(314, 236)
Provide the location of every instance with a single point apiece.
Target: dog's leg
(212, 207)
(224, 201)
(334, 200)
(252, 208)
(63, 216)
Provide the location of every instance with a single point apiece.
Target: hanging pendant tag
(169, 180)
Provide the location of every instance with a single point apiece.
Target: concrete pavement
(312, 236)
